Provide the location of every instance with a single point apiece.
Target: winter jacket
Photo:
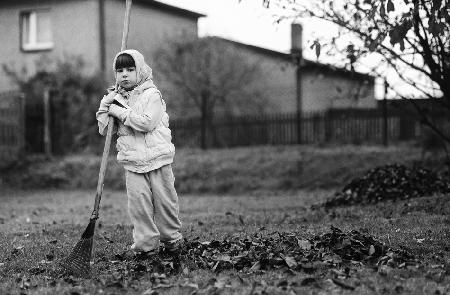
(144, 138)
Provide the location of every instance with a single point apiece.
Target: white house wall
(72, 34)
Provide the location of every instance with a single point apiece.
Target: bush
(74, 100)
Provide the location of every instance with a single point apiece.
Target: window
(36, 30)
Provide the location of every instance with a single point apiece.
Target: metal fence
(12, 127)
(354, 126)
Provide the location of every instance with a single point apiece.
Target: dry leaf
(290, 261)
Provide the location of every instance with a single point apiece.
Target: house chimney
(296, 38)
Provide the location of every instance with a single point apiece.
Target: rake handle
(109, 133)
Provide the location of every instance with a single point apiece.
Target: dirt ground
(39, 228)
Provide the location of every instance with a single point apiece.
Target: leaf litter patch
(389, 182)
(336, 253)
(289, 251)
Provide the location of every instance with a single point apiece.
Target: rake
(78, 262)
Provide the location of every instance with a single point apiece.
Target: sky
(247, 22)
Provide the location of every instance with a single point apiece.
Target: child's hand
(118, 112)
(108, 99)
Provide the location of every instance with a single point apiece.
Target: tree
(210, 78)
(411, 37)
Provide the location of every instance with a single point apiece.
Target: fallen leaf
(220, 284)
(189, 285)
(304, 244)
(225, 258)
(256, 266)
(290, 261)
(161, 286)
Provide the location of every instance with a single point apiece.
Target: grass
(229, 193)
(38, 228)
(255, 170)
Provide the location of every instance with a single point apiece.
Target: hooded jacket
(144, 138)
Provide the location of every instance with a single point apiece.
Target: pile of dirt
(286, 250)
(389, 182)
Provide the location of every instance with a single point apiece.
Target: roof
(308, 64)
(174, 9)
(153, 3)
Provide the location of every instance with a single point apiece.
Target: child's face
(126, 77)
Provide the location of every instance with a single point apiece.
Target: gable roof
(308, 64)
(170, 8)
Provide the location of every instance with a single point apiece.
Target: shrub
(74, 100)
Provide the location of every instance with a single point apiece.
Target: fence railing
(12, 127)
(332, 126)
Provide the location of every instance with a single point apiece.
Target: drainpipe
(297, 54)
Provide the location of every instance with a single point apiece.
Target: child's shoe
(146, 255)
(175, 247)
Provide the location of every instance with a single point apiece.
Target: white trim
(29, 42)
(37, 46)
(32, 29)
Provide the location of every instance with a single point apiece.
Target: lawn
(39, 228)
(227, 171)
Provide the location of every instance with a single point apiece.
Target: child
(146, 152)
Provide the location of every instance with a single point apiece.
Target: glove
(118, 112)
(108, 99)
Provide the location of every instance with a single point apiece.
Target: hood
(143, 70)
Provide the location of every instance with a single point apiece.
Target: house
(91, 29)
(323, 86)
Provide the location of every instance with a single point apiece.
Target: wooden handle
(103, 165)
(109, 133)
(126, 25)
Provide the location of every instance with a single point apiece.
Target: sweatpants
(153, 208)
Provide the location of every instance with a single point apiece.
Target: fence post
(328, 130)
(385, 120)
(204, 120)
(47, 135)
(21, 119)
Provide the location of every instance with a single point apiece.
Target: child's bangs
(124, 61)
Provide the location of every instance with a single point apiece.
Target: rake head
(78, 261)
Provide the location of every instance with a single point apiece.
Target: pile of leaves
(335, 253)
(389, 182)
(287, 250)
